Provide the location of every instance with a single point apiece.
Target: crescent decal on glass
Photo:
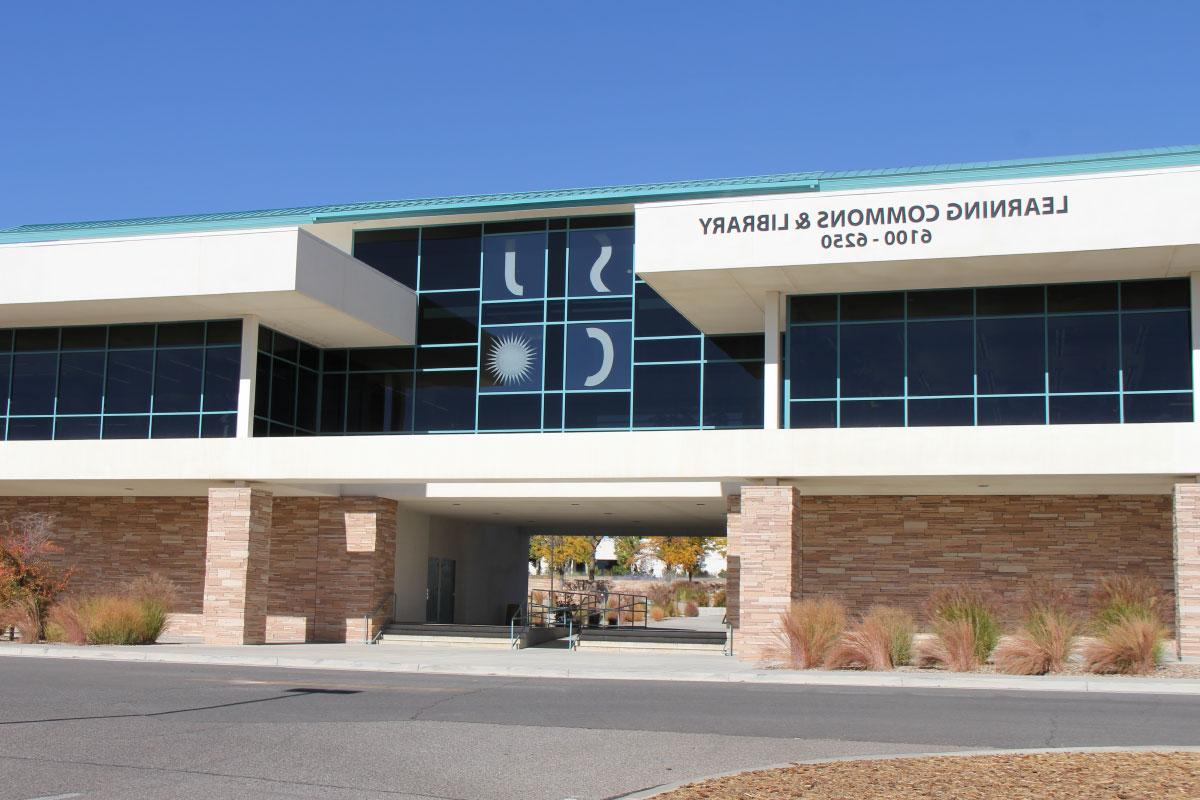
(510, 269)
(606, 363)
(601, 262)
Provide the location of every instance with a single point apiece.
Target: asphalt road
(121, 730)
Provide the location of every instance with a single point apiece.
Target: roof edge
(1163, 157)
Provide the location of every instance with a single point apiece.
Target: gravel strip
(1038, 776)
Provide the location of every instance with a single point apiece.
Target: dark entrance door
(439, 596)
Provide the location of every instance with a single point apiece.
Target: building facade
(876, 383)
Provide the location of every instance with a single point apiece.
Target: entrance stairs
(430, 633)
(655, 639)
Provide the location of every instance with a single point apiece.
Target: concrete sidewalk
(557, 663)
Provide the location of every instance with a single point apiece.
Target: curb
(655, 791)
(1109, 685)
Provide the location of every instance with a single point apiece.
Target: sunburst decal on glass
(510, 359)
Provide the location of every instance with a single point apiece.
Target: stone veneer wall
(897, 549)
(112, 540)
(331, 559)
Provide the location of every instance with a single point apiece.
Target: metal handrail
(590, 604)
(368, 618)
(728, 649)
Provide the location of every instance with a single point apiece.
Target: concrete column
(247, 378)
(1187, 569)
(356, 566)
(1195, 286)
(237, 566)
(768, 544)
(772, 361)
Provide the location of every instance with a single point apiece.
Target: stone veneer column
(237, 566)
(768, 547)
(1187, 569)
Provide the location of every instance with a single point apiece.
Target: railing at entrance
(576, 611)
(369, 618)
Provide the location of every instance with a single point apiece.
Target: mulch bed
(1042, 776)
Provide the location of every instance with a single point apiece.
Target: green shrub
(973, 606)
(717, 598)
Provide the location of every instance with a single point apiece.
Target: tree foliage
(683, 553)
(30, 580)
(629, 550)
(558, 551)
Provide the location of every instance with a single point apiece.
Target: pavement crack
(418, 715)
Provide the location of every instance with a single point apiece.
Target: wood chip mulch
(1042, 776)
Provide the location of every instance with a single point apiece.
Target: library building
(323, 422)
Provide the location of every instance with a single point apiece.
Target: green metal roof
(615, 195)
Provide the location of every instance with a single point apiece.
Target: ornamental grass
(881, 640)
(1129, 646)
(965, 627)
(808, 631)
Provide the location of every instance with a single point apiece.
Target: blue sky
(129, 108)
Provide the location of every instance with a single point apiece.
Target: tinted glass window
(1158, 407)
(940, 358)
(813, 308)
(128, 386)
(181, 334)
(1010, 355)
(512, 412)
(175, 426)
(445, 401)
(29, 339)
(872, 306)
(450, 257)
(126, 428)
(685, 349)
(1005, 300)
(30, 428)
(813, 415)
(1075, 297)
(333, 403)
(1012, 410)
(77, 428)
(941, 411)
(178, 377)
(33, 380)
(131, 336)
(942, 303)
(307, 389)
(1156, 350)
(507, 313)
(91, 338)
(552, 408)
(1081, 409)
(872, 413)
(872, 360)
(720, 348)
(812, 362)
(654, 317)
(597, 410)
(1082, 353)
(666, 396)
(378, 402)
(1141, 295)
(394, 253)
(283, 392)
(733, 394)
(227, 331)
(450, 318)
(218, 425)
(514, 266)
(221, 371)
(553, 355)
(81, 383)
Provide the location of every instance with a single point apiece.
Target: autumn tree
(683, 553)
(629, 552)
(30, 580)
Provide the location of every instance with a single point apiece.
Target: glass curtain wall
(1024, 355)
(532, 325)
(162, 381)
